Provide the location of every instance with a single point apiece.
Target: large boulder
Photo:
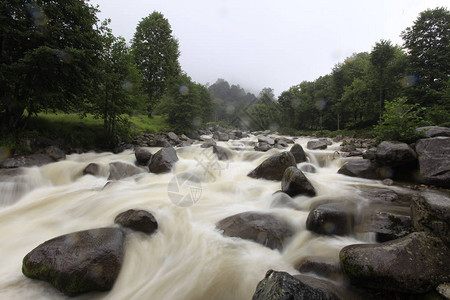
(222, 153)
(394, 154)
(143, 156)
(163, 160)
(273, 168)
(434, 160)
(266, 139)
(294, 183)
(332, 218)
(138, 220)
(262, 228)
(431, 212)
(283, 286)
(316, 145)
(78, 262)
(208, 143)
(363, 168)
(416, 263)
(298, 153)
(434, 131)
(119, 170)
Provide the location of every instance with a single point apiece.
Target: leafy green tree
(266, 113)
(119, 90)
(399, 121)
(49, 55)
(428, 46)
(156, 53)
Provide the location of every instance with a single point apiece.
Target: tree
(120, 87)
(49, 54)
(156, 53)
(428, 46)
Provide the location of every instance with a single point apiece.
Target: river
(187, 258)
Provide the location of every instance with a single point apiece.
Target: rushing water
(187, 258)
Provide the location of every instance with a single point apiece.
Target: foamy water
(187, 258)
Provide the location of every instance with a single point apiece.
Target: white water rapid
(187, 257)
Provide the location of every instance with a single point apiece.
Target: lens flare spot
(127, 86)
(4, 153)
(39, 17)
(296, 102)
(197, 122)
(63, 56)
(184, 90)
(321, 104)
(230, 109)
(409, 81)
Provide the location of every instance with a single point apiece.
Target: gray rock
(273, 168)
(119, 170)
(283, 286)
(283, 200)
(208, 143)
(222, 153)
(263, 147)
(262, 228)
(326, 141)
(431, 212)
(193, 135)
(266, 139)
(348, 148)
(55, 153)
(308, 168)
(416, 263)
(78, 262)
(138, 220)
(221, 136)
(143, 156)
(388, 226)
(332, 219)
(298, 153)
(394, 154)
(294, 183)
(363, 168)
(163, 160)
(434, 160)
(316, 145)
(444, 290)
(37, 159)
(173, 137)
(321, 267)
(434, 131)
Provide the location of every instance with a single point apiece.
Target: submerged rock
(222, 153)
(434, 160)
(332, 219)
(163, 160)
(388, 226)
(92, 169)
(416, 263)
(139, 220)
(262, 228)
(294, 183)
(283, 286)
(273, 168)
(298, 153)
(283, 200)
(321, 267)
(78, 262)
(119, 170)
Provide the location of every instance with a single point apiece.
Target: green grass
(146, 125)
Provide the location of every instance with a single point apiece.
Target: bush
(399, 121)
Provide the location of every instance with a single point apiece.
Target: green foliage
(49, 57)
(399, 121)
(156, 54)
(266, 113)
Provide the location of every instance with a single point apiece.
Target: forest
(58, 57)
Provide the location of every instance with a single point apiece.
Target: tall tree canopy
(49, 55)
(156, 53)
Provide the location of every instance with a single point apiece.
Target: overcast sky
(268, 43)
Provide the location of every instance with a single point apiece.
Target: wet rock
(326, 141)
(444, 290)
(208, 143)
(143, 156)
(363, 168)
(283, 140)
(388, 226)
(348, 148)
(92, 169)
(273, 168)
(316, 145)
(119, 170)
(193, 135)
(262, 228)
(283, 200)
(138, 220)
(388, 181)
(370, 154)
(221, 136)
(416, 263)
(263, 147)
(281, 285)
(222, 153)
(294, 183)
(266, 139)
(434, 161)
(434, 131)
(78, 262)
(431, 212)
(37, 159)
(55, 153)
(394, 154)
(173, 137)
(163, 160)
(298, 153)
(122, 147)
(382, 195)
(321, 267)
(308, 168)
(331, 219)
